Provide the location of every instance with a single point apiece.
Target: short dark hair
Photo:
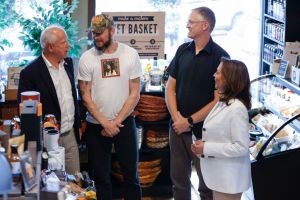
(208, 15)
(236, 81)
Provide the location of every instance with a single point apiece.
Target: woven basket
(152, 117)
(150, 99)
(157, 145)
(147, 170)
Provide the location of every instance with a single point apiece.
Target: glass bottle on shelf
(146, 71)
(155, 76)
(165, 71)
(15, 163)
(267, 84)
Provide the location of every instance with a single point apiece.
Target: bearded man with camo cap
(110, 99)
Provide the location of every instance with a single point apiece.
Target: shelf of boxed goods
(152, 121)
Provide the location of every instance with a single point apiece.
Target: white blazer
(225, 162)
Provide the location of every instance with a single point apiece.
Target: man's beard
(105, 45)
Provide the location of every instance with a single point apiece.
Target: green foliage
(18, 63)
(7, 17)
(160, 4)
(59, 13)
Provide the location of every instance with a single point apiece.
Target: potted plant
(59, 12)
(7, 17)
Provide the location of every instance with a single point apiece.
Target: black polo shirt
(195, 82)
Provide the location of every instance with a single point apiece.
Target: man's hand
(112, 128)
(181, 125)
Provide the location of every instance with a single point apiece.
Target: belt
(65, 133)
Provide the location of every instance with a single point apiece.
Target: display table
(34, 193)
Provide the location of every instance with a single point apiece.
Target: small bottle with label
(155, 76)
(15, 163)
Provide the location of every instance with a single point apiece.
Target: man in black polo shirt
(190, 97)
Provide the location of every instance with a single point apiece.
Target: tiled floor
(248, 195)
(194, 191)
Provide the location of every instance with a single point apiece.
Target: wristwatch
(191, 121)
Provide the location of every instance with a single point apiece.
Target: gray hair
(208, 15)
(48, 36)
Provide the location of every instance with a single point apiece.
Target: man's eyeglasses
(191, 22)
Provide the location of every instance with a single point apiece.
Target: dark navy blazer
(36, 77)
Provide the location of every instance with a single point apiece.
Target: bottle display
(274, 32)
(279, 22)
(155, 74)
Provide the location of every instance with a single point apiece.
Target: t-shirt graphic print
(110, 67)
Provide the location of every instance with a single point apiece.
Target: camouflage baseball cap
(101, 22)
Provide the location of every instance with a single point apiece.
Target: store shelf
(267, 62)
(281, 21)
(274, 18)
(274, 40)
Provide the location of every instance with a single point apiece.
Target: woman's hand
(197, 147)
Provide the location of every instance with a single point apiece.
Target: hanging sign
(144, 31)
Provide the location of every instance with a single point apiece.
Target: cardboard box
(296, 75)
(11, 94)
(291, 51)
(13, 77)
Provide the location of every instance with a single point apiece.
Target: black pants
(99, 154)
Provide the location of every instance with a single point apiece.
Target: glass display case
(275, 127)
(274, 101)
(277, 97)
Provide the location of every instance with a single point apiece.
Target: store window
(15, 54)
(238, 24)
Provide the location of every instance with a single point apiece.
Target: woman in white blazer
(223, 150)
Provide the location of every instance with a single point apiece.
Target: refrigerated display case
(275, 115)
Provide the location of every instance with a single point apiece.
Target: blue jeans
(99, 155)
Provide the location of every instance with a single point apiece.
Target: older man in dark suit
(52, 74)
